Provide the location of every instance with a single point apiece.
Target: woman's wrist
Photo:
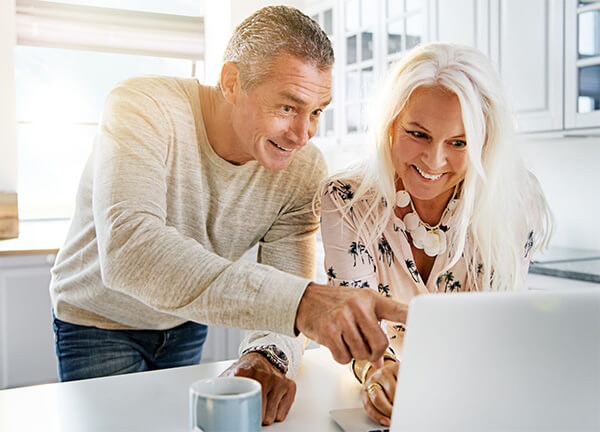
(370, 371)
(363, 369)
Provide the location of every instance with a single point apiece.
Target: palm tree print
(528, 244)
(384, 290)
(412, 269)
(330, 274)
(448, 278)
(343, 190)
(455, 286)
(385, 251)
(358, 249)
(353, 251)
(344, 283)
(397, 228)
(449, 283)
(360, 284)
(399, 328)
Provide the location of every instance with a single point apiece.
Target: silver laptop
(527, 361)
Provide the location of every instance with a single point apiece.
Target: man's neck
(217, 117)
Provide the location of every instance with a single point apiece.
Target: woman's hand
(378, 392)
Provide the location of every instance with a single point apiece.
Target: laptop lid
(356, 420)
(525, 361)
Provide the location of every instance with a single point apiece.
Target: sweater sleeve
(142, 256)
(290, 246)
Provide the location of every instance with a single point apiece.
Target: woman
(444, 204)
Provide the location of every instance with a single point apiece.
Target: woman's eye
(417, 134)
(459, 143)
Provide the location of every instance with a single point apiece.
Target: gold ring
(374, 387)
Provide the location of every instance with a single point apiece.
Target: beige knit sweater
(161, 222)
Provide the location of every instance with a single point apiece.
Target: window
(359, 28)
(68, 58)
(327, 120)
(369, 35)
(174, 7)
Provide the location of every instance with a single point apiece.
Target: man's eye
(317, 113)
(286, 108)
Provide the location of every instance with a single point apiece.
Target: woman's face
(429, 148)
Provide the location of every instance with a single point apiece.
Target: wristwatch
(275, 356)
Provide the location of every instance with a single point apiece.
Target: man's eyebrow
(302, 102)
(294, 98)
(327, 102)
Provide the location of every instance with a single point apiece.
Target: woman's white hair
(501, 202)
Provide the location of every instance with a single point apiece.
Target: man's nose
(299, 130)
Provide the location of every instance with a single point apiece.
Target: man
(182, 181)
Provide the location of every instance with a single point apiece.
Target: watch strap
(274, 355)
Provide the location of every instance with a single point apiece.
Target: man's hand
(278, 392)
(346, 320)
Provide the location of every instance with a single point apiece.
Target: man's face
(279, 115)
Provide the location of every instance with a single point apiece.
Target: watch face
(275, 355)
(280, 354)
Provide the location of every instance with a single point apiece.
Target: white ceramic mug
(226, 404)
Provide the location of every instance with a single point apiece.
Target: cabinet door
(222, 343)
(26, 337)
(461, 21)
(528, 49)
(582, 64)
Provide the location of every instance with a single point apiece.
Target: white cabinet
(460, 21)
(27, 353)
(528, 50)
(524, 39)
(26, 338)
(222, 343)
(550, 283)
(582, 64)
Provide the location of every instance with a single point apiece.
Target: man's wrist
(272, 354)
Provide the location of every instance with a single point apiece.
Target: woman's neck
(431, 211)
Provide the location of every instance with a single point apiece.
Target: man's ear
(230, 82)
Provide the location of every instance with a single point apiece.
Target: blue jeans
(89, 352)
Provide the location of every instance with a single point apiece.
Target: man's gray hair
(271, 31)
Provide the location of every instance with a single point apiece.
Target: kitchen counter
(568, 263)
(36, 237)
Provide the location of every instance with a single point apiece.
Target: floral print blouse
(387, 265)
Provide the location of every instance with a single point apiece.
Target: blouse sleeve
(348, 260)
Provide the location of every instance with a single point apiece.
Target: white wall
(221, 17)
(8, 116)
(569, 172)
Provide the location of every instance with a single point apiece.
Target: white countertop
(36, 237)
(158, 401)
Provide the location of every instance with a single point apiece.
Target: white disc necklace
(432, 239)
